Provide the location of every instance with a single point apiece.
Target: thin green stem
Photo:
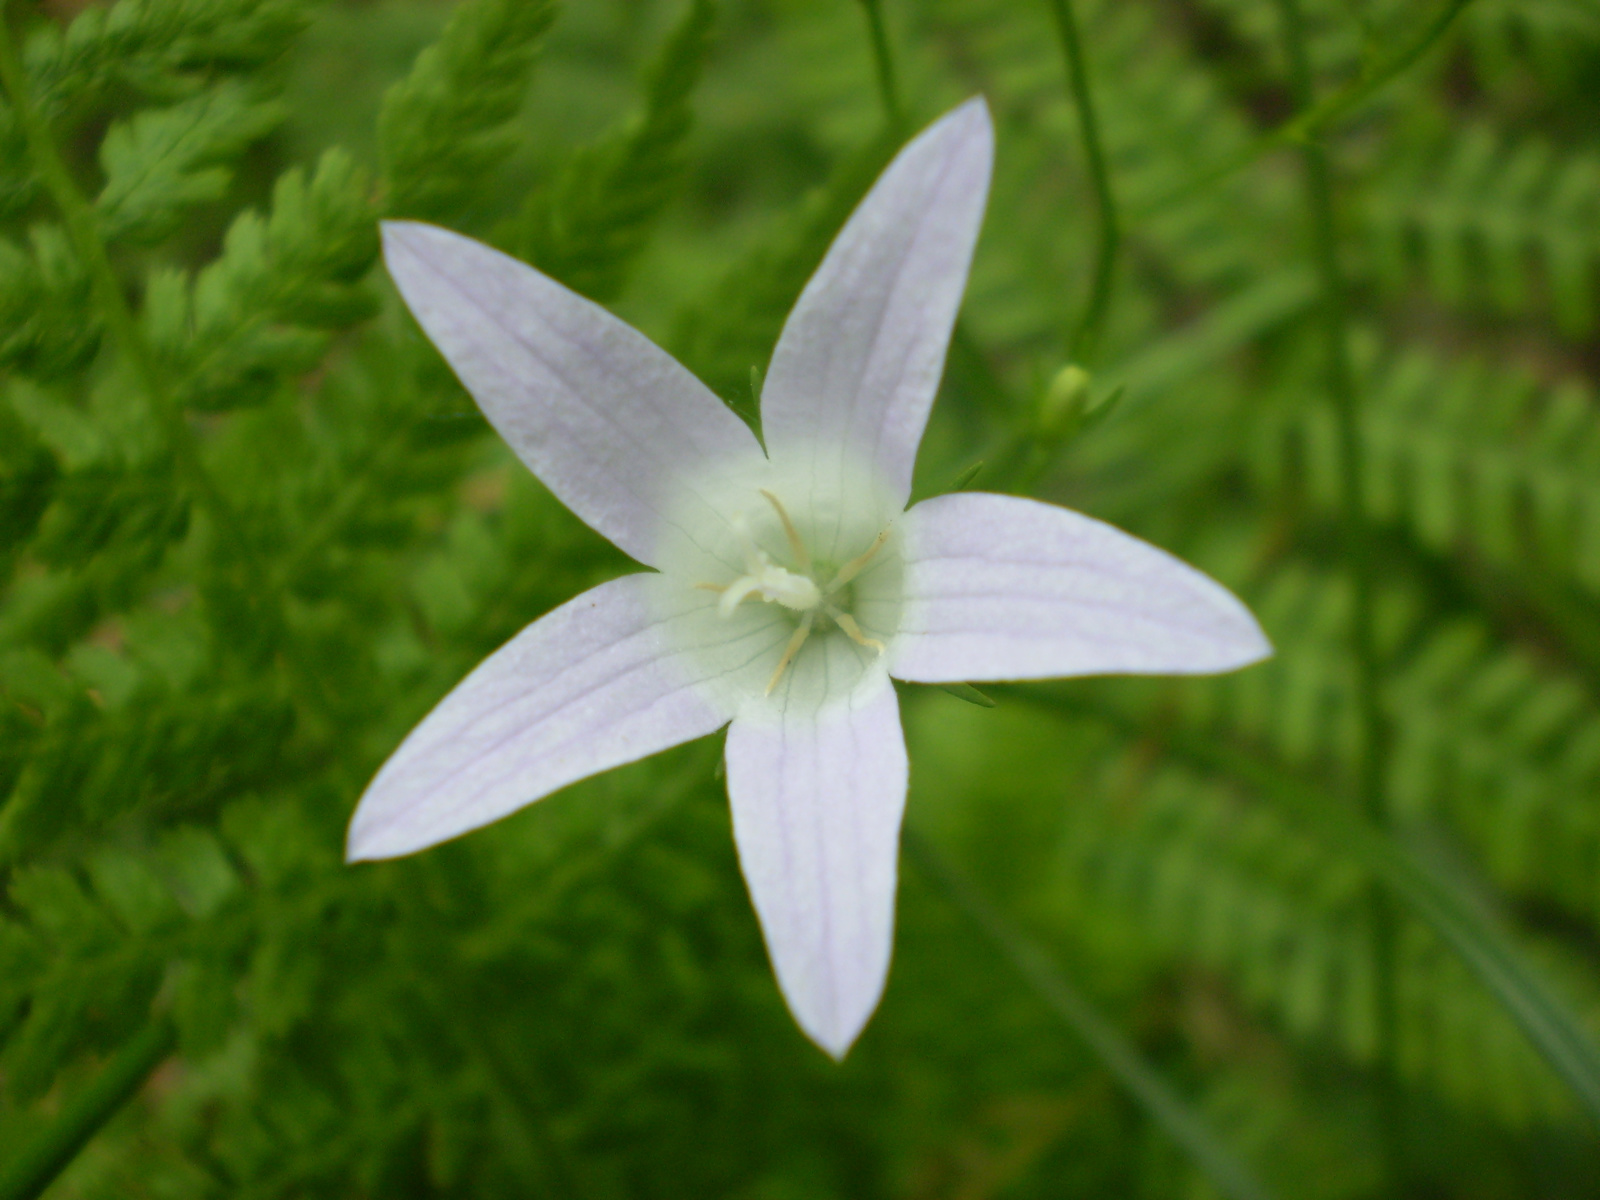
(1120, 1056)
(1087, 335)
(883, 64)
(83, 231)
(1313, 119)
(1371, 767)
(39, 1162)
(1352, 454)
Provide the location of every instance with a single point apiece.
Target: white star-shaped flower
(790, 584)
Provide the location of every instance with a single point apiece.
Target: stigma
(773, 584)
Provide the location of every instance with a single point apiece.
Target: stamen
(802, 556)
(853, 568)
(848, 623)
(793, 648)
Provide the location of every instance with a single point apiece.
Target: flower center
(801, 589)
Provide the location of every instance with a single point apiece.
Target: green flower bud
(1065, 403)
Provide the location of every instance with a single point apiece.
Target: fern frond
(1555, 38)
(588, 226)
(258, 313)
(1487, 739)
(446, 125)
(48, 323)
(1486, 221)
(1499, 743)
(163, 161)
(1337, 34)
(1464, 457)
(96, 506)
(81, 991)
(82, 954)
(28, 472)
(1299, 702)
(1232, 885)
(143, 720)
(166, 49)
(18, 185)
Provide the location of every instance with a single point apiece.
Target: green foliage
(1236, 888)
(589, 225)
(164, 160)
(1465, 457)
(251, 529)
(16, 174)
(262, 309)
(163, 48)
(447, 124)
(1491, 221)
(44, 303)
(1554, 39)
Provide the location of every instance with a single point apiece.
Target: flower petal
(998, 587)
(611, 423)
(590, 686)
(860, 356)
(816, 813)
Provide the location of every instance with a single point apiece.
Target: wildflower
(790, 584)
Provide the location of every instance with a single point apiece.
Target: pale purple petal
(861, 355)
(611, 423)
(817, 802)
(998, 587)
(599, 682)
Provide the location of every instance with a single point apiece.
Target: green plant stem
(1087, 335)
(883, 64)
(1448, 907)
(48, 1154)
(1371, 767)
(1313, 119)
(1119, 1055)
(78, 217)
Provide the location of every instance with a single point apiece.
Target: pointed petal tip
(358, 849)
(969, 119)
(406, 237)
(366, 844)
(377, 833)
(975, 109)
(1257, 648)
(393, 231)
(1249, 643)
(398, 226)
(1264, 646)
(1230, 650)
(401, 242)
(833, 1028)
(407, 242)
(377, 841)
(835, 1038)
(836, 1047)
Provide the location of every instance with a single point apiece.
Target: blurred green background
(251, 529)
